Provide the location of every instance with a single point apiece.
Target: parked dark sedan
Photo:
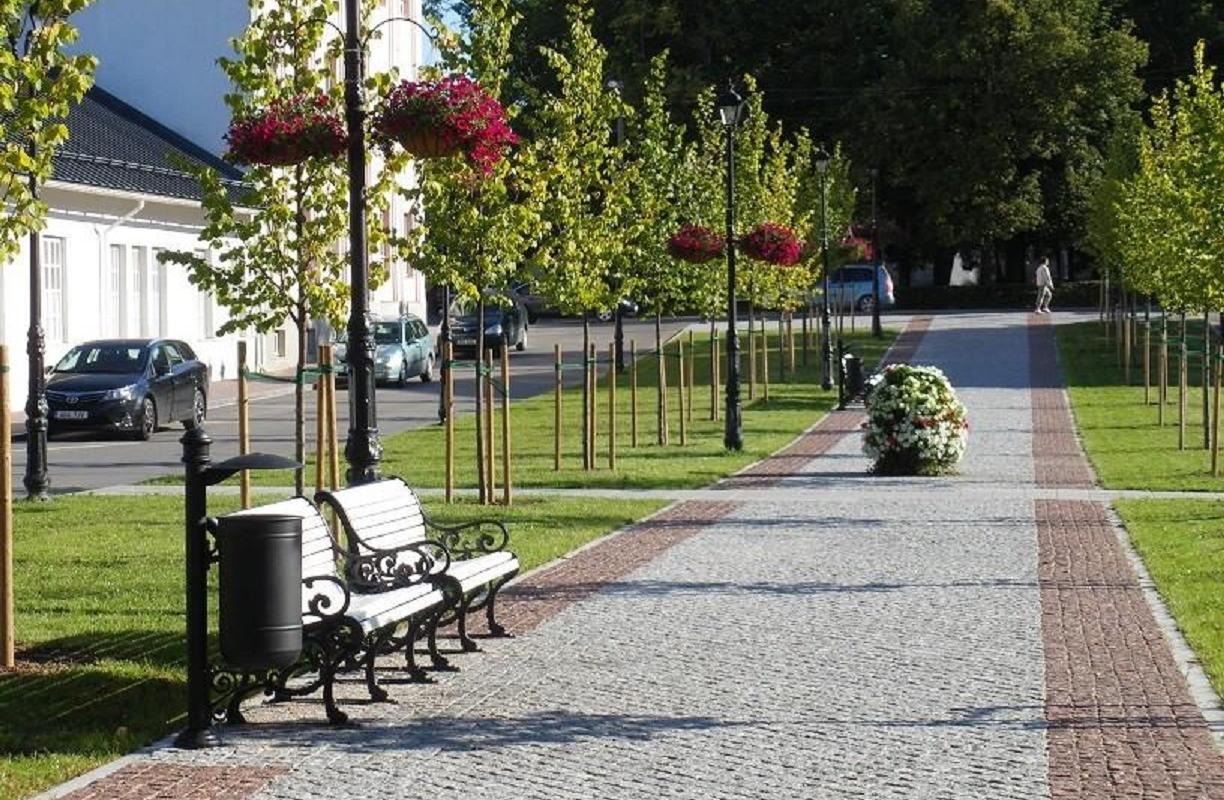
(509, 324)
(128, 385)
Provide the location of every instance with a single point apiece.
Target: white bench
(347, 620)
(386, 517)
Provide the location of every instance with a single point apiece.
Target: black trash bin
(852, 369)
(261, 589)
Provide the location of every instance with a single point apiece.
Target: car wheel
(403, 375)
(199, 410)
(427, 375)
(866, 303)
(521, 345)
(148, 420)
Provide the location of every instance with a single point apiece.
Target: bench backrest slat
(384, 515)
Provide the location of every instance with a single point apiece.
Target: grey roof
(112, 145)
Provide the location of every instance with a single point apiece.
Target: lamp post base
(197, 739)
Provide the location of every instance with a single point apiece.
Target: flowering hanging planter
(773, 244)
(291, 130)
(696, 244)
(432, 119)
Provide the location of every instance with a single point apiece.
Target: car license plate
(465, 340)
(72, 415)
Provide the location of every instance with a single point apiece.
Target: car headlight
(125, 393)
(387, 358)
(494, 330)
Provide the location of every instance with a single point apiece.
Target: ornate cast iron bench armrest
(331, 592)
(470, 539)
(382, 569)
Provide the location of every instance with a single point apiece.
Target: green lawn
(1121, 436)
(100, 620)
(793, 406)
(1182, 544)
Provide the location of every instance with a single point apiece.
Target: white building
(116, 200)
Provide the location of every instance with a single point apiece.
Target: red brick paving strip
(828, 431)
(1058, 460)
(178, 782)
(538, 597)
(1122, 723)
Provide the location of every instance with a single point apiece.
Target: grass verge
(1122, 437)
(100, 620)
(1182, 544)
(794, 404)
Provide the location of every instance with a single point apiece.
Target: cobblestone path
(811, 633)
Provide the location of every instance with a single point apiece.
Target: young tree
(276, 240)
(478, 229)
(588, 202)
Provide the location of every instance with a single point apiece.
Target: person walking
(1045, 286)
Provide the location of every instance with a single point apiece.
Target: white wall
(161, 57)
(147, 302)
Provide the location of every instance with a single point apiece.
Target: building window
(138, 292)
(112, 325)
(53, 287)
(280, 344)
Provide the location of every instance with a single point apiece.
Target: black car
(128, 385)
(508, 324)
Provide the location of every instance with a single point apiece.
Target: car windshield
(96, 359)
(387, 332)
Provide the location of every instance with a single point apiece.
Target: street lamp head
(730, 107)
(821, 159)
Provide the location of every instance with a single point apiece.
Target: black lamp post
(877, 262)
(821, 159)
(363, 450)
(730, 112)
(618, 336)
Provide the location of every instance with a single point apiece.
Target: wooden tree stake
(633, 393)
(557, 387)
(1147, 362)
(765, 360)
(8, 654)
(715, 367)
(244, 426)
(1215, 417)
(594, 415)
(662, 404)
(448, 405)
(680, 396)
(507, 491)
(790, 345)
(612, 405)
(688, 376)
(490, 465)
(333, 432)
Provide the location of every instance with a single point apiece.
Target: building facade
(116, 200)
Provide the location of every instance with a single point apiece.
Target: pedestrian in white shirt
(1045, 287)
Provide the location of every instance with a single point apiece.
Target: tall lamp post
(821, 159)
(878, 260)
(618, 336)
(730, 112)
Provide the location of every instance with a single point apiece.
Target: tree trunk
(586, 390)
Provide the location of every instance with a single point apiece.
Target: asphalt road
(80, 461)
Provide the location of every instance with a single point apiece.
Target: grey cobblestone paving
(883, 643)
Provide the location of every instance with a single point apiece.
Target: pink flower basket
(289, 131)
(773, 244)
(433, 119)
(696, 244)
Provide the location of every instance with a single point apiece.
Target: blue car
(851, 287)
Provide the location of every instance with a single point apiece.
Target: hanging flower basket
(915, 424)
(289, 131)
(432, 119)
(696, 244)
(773, 244)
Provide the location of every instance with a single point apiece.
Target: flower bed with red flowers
(438, 118)
(773, 244)
(696, 244)
(289, 131)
